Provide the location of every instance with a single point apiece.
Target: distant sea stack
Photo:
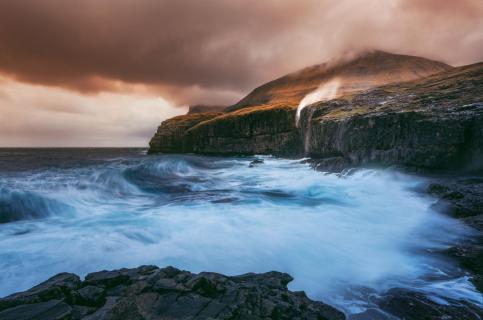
(385, 109)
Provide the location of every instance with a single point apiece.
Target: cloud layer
(36, 116)
(213, 51)
(219, 45)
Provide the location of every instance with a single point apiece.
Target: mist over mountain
(353, 72)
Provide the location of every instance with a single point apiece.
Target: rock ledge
(148, 292)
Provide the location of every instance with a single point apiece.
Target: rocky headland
(389, 110)
(431, 122)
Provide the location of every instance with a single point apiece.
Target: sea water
(344, 238)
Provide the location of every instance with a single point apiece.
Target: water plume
(326, 91)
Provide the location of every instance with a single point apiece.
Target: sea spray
(343, 238)
(326, 91)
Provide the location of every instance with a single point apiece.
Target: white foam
(330, 233)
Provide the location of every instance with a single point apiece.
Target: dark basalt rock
(463, 199)
(148, 292)
(58, 287)
(169, 138)
(435, 124)
(415, 306)
(52, 310)
(255, 162)
(257, 130)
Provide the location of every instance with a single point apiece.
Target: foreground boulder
(149, 292)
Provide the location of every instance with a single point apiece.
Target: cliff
(256, 130)
(264, 121)
(433, 123)
(169, 136)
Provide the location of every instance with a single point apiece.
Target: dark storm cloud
(218, 49)
(206, 43)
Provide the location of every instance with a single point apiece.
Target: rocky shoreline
(432, 126)
(149, 292)
(462, 198)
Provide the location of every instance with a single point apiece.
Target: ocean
(345, 238)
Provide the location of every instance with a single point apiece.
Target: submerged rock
(255, 162)
(149, 292)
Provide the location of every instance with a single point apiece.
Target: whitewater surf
(346, 239)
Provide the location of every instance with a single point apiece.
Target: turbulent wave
(343, 238)
(20, 205)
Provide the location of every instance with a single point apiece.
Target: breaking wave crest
(343, 238)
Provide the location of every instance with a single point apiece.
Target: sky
(107, 72)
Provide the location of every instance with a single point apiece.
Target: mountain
(431, 122)
(362, 72)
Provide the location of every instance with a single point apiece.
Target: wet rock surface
(149, 292)
(412, 305)
(255, 163)
(462, 198)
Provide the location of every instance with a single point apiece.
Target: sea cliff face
(433, 123)
(258, 130)
(169, 137)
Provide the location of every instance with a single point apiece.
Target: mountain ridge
(356, 73)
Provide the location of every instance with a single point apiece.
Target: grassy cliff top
(457, 87)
